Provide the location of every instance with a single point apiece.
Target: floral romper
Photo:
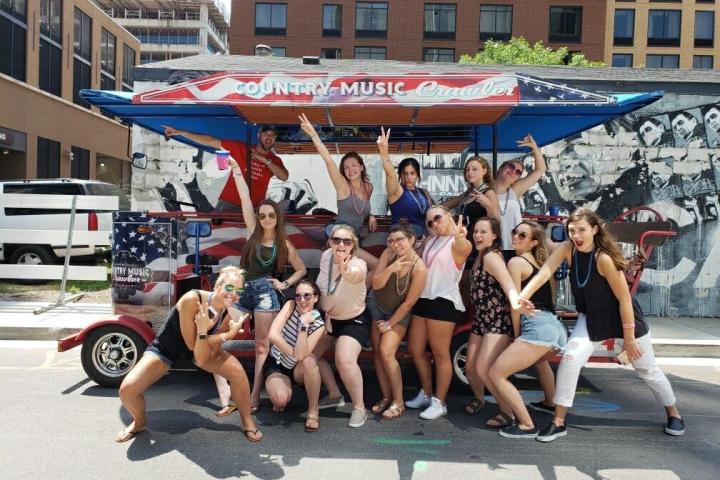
(492, 307)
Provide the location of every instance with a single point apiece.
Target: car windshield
(108, 189)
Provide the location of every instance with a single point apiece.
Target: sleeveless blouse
(510, 216)
(443, 275)
(410, 207)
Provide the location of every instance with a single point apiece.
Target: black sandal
(501, 420)
(474, 406)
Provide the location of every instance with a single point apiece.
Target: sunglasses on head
(398, 240)
(435, 220)
(345, 241)
(263, 216)
(229, 287)
(304, 297)
(519, 234)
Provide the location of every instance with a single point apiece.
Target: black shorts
(438, 309)
(357, 328)
(273, 366)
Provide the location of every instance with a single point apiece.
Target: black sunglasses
(520, 235)
(345, 241)
(304, 296)
(434, 221)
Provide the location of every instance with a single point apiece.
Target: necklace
(258, 254)
(428, 250)
(354, 198)
(419, 200)
(507, 198)
(407, 280)
(330, 288)
(589, 272)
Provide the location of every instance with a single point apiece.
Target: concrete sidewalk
(672, 337)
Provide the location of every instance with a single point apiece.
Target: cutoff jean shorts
(543, 329)
(259, 296)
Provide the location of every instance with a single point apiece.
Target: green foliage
(517, 51)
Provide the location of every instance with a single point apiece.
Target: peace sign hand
(460, 230)
(306, 126)
(202, 319)
(528, 142)
(383, 143)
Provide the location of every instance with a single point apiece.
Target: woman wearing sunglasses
(342, 296)
(538, 335)
(195, 329)
(510, 187)
(294, 334)
(407, 201)
(397, 285)
(264, 256)
(439, 308)
(479, 200)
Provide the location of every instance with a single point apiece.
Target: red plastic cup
(221, 156)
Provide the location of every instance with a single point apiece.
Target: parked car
(30, 218)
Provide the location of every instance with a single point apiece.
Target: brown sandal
(501, 420)
(380, 406)
(312, 422)
(226, 410)
(393, 411)
(257, 435)
(474, 406)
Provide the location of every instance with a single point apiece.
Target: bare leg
(279, 390)
(326, 373)
(307, 373)
(389, 343)
(439, 334)
(417, 342)
(347, 351)
(263, 320)
(546, 377)
(223, 388)
(477, 386)
(491, 347)
(382, 377)
(147, 371)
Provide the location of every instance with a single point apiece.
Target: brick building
(412, 30)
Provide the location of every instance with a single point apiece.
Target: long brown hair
(364, 175)
(487, 178)
(603, 240)
(256, 238)
(537, 233)
(495, 246)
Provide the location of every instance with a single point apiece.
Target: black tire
(109, 352)
(32, 255)
(458, 355)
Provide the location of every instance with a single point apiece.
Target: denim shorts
(543, 329)
(259, 296)
(154, 351)
(377, 312)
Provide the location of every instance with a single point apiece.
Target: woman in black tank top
(606, 311)
(537, 336)
(190, 332)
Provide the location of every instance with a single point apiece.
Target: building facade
(412, 30)
(662, 34)
(46, 129)
(172, 29)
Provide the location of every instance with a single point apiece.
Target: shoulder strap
(528, 261)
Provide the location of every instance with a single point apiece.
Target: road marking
(410, 441)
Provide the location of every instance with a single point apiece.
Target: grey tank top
(348, 209)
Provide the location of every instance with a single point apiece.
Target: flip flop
(312, 419)
(226, 410)
(247, 432)
(126, 436)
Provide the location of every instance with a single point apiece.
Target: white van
(28, 218)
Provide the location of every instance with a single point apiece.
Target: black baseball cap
(268, 128)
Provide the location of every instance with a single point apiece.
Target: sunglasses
(304, 297)
(345, 241)
(435, 220)
(519, 234)
(398, 240)
(263, 216)
(228, 287)
(516, 170)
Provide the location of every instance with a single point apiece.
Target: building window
(565, 24)
(664, 28)
(704, 28)
(332, 20)
(372, 53)
(278, 51)
(440, 21)
(82, 67)
(48, 158)
(438, 55)
(371, 19)
(13, 33)
(622, 60)
(129, 60)
(495, 22)
(703, 62)
(51, 19)
(80, 163)
(50, 61)
(107, 60)
(662, 61)
(624, 27)
(270, 19)
(330, 53)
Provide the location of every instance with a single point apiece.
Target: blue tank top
(410, 207)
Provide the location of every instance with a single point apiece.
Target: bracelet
(628, 325)
(387, 325)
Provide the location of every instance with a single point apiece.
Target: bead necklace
(428, 250)
(589, 272)
(354, 198)
(264, 262)
(400, 292)
(419, 200)
(330, 288)
(507, 198)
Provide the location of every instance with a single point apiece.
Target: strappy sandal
(501, 420)
(312, 422)
(253, 436)
(226, 410)
(393, 411)
(380, 406)
(127, 435)
(474, 406)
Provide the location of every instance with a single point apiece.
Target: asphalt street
(58, 424)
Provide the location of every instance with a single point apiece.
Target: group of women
(417, 285)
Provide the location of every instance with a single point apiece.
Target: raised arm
(453, 202)
(461, 247)
(539, 169)
(195, 137)
(393, 187)
(561, 254)
(339, 182)
(248, 210)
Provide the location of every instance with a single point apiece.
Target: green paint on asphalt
(410, 441)
(420, 466)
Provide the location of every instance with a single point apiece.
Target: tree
(517, 51)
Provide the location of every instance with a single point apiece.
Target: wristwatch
(303, 328)
(202, 336)
(286, 284)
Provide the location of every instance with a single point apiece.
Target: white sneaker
(421, 400)
(436, 409)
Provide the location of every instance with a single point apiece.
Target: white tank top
(443, 277)
(510, 216)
